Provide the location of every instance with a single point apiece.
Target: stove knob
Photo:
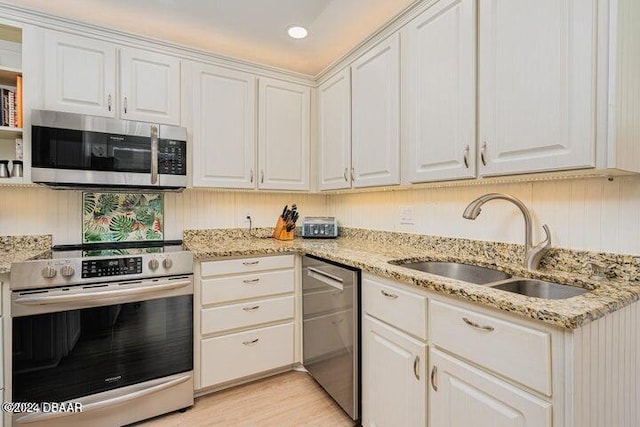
(49, 272)
(154, 264)
(167, 263)
(67, 271)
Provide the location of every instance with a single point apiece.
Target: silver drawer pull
(416, 366)
(251, 342)
(251, 281)
(250, 262)
(477, 326)
(388, 295)
(336, 322)
(255, 307)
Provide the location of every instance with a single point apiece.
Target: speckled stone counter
(23, 248)
(373, 251)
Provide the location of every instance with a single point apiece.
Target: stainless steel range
(110, 327)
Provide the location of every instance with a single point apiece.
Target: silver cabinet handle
(353, 174)
(109, 102)
(251, 176)
(477, 326)
(251, 281)
(250, 262)
(154, 154)
(261, 176)
(466, 156)
(388, 295)
(483, 153)
(336, 322)
(125, 104)
(434, 372)
(346, 178)
(255, 307)
(251, 342)
(416, 367)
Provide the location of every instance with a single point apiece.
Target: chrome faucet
(533, 254)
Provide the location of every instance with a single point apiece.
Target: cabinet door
(439, 93)
(376, 115)
(536, 85)
(334, 132)
(224, 112)
(80, 75)
(463, 396)
(149, 87)
(283, 135)
(393, 377)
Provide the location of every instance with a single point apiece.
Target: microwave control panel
(172, 157)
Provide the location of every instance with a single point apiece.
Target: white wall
(28, 210)
(590, 214)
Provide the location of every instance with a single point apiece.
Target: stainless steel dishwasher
(331, 325)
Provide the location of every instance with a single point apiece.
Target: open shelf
(8, 75)
(12, 180)
(7, 132)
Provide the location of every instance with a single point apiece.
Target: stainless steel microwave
(79, 151)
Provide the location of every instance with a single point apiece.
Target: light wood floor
(289, 399)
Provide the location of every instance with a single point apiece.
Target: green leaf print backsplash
(114, 217)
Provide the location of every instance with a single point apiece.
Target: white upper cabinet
(283, 135)
(149, 86)
(439, 93)
(80, 75)
(536, 85)
(334, 132)
(376, 115)
(224, 114)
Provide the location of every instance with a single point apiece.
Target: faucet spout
(533, 255)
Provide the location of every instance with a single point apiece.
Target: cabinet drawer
(245, 265)
(251, 313)
(404, 310)
(223, 289)
(517, 352)
(238, 355)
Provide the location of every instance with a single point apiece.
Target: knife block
(280, 232)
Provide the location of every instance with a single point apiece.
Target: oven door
(87, 340)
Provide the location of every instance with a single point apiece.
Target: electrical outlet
(406, 215)
(243, 219)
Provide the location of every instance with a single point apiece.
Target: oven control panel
(111, 267)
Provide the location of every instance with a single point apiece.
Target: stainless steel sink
(540, 289)
(465, 272)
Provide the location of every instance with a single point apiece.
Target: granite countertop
(23, 248)
(373, 254)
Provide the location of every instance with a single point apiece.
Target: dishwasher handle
(326, 278)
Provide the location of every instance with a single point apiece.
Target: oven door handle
(101, 404)
(92, 296)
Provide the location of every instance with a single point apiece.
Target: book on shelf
(10, 113)
(19, 101)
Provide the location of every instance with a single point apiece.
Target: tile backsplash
(117, 217)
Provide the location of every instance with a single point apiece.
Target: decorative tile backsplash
(115, 217)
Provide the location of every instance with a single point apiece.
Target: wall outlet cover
(406, 215)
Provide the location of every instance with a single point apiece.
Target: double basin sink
(496, 279)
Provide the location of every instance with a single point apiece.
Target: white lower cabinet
(393, 377)
(463, 396)
(244, 324)
(233, 356)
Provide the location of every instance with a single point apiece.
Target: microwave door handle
(154, 154)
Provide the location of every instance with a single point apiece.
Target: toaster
(319, 227)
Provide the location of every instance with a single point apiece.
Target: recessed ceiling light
(297, 32)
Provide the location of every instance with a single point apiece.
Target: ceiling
(253, 30)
